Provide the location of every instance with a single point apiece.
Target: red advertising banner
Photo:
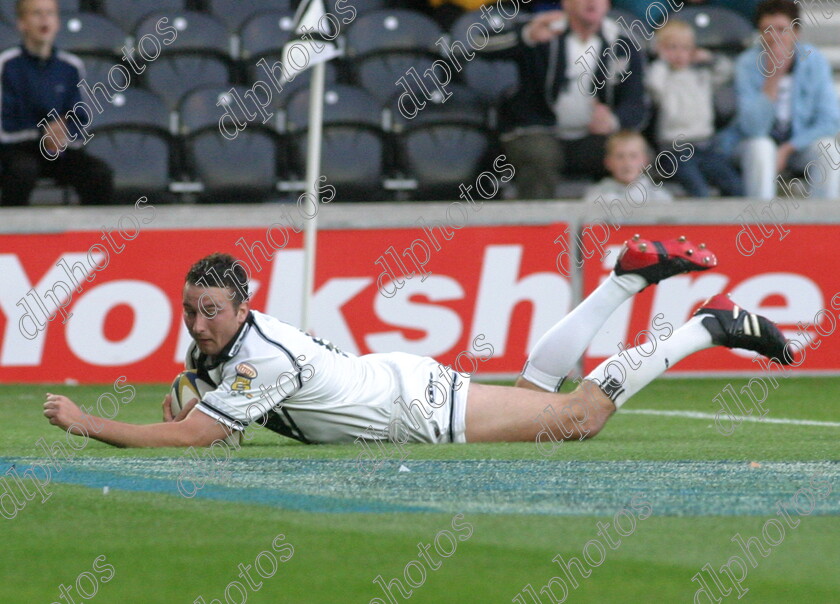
(475, 297)
(790, 277)
(478, 297)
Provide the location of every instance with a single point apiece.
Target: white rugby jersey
(292, 383)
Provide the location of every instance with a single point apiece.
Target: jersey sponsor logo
(246, 370)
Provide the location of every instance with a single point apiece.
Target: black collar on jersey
(231, 348)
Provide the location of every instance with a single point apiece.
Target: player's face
(211, 317)
(39, 22)
(627, 160)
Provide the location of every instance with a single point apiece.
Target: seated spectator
(627, 155)
(37, 80)
(681, 83)
(580, 81)
(639, 7)
(788, 114)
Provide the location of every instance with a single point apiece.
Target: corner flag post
(316, 35)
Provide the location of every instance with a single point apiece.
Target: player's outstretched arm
(197, 429)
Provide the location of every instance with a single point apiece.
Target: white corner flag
(316, 41)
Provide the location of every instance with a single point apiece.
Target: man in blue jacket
(38, 85)
(788, 113)
(580, 81)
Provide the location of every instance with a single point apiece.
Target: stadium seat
(344, 9)
(441, 157)
(242, 169)
(491, 79)
(463, 107)
(353, 144)
(9, 36)
(253, 150)
(196, 32)
(343, 104)
(9, 15)
(199, 55)
(127, 13)
(263, 37)
(392, 30)
(352, 160)
(725, 104)
(265, 33)
(135, 108)
(98, 67)
(132, 136)
(460, 29)
(444, 145)
(141, 159)
(379, 73)
(234, 13)
(173, 76)
(89, 33)
(256, 73)
(718, 28)
(200, 109)
(629, 18)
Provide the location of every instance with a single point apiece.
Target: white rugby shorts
(432, 403)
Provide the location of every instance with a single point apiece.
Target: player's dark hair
(777, 7)
(221, 270)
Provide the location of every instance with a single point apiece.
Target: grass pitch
(686, 491)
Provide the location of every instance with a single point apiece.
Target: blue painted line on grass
(576, 488)
(97, 479)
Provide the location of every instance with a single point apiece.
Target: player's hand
(62, 412)
(184, 412)
(186, 409)
(167, 408)
(545, 26)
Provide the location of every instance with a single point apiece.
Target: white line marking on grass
(709, 416)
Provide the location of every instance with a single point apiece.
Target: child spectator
(627, 155)
(681, 83)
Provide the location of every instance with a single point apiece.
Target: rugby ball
(185, 387)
